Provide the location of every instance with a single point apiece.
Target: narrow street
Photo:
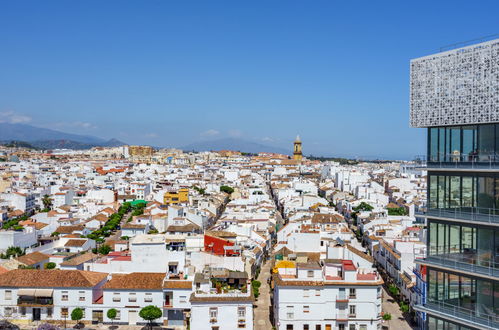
(116, 236)
(262, 305)
(389, 305)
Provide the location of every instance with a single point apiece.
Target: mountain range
(44, 138)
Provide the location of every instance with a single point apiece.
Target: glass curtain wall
(464, 243)
(466, 190)
(479, 296)
(471, 143)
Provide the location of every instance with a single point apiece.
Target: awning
(172, 262)
(26, 292)
(35, 292)
(44, 292)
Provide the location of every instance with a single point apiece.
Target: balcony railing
(478, 214)
(35, 301)
(486, 269)
(488, 161)
(491, 321)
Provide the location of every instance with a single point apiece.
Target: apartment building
(332, 294)
(454, 95)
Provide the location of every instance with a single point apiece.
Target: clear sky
(169, 73)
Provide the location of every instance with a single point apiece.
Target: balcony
(474, 214)
(342, 298)
(35, 302)
(458, 161)
(449, 261)
(459, 314)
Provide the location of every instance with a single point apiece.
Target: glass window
(441, 144)
(469, 150)
(454, 239)
(433, 238)
(455, 143)
(441, 239)
(442, 203)
(486, 139)
(468, 240)
(453, 291)
(484, 298)
(467, 293)
(485, 246)
(433, 152)
(455, 191)
(467, 192)
(433, 192)
(485, 193)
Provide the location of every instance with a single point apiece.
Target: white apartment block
(334, 295)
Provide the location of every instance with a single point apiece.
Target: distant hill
(44, 138)
(234, 144)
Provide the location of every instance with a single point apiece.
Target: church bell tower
(297, 155)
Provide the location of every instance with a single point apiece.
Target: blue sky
(168, 73)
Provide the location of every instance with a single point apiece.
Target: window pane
(455, 191)
(485, 193)
(433, 191)
(441, 192)
(485, 243)
(455, 143)
(433, 238)
(454, 239)
(468, 240)
(469, 143)
(467, 192)
(441, 143)
(433, 152)
(486, 141)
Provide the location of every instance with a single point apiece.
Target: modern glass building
(455, 95)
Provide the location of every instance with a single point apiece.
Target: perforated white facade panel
(456, 87)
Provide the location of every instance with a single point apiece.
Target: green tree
(77, 314)
(363, 206)
(394, 291)
(111, 314)
(14, 251)
(387, 317)
(47, 202)
(55, 234)
(227, 189)
(50, 265)
(104, 249)
(397, 211)
(255, 286)
(150, 313)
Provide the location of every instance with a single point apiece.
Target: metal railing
(477, 214)
(461, 265)
(469, 161)
(463, 313)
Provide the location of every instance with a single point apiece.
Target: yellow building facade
(176, 197)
